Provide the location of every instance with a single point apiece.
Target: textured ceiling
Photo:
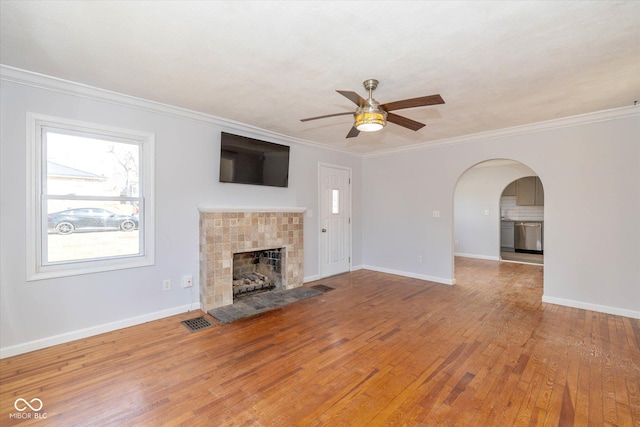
(270, 63)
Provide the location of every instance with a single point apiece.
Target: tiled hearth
(226, 231)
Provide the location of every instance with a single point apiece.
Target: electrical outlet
(436, 214)
(419, 258)
(166, 284)
(187, 281)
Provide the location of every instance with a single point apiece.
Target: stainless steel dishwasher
(528, 237)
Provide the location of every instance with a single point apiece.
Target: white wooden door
(335, 220)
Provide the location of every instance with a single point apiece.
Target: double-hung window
(90, 198)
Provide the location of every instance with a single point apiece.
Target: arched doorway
(478, 213)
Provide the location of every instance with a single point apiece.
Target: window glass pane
(335, 202)
(85, 166)
(92, 197)
(88, 229)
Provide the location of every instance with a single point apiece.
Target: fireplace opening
(257, 271)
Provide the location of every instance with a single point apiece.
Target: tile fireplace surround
(225, 231)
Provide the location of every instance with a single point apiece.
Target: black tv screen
(246, 160)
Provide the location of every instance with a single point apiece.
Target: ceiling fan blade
(325, 116)
(422, 101)
(353, 97)
(404, 122)
(353, 133)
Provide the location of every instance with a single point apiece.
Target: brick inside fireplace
(224, 233)
(257, 271)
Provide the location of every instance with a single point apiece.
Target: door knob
(324, 230)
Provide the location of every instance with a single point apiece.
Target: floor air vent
(197, 324)
(323, 288)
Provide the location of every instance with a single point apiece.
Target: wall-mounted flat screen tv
(246, 160)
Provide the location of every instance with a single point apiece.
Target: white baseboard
(313, 278)
(412, 275)
(94, 330)
(491, 258)
(593, 307)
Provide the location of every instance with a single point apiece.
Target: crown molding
(30, 78)
(42, 81)
(598, 116)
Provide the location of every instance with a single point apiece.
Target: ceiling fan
(371, 116)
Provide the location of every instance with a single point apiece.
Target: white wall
(478, 192)
(590, 168)
(40, 313)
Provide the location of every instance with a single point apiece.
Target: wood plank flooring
(377, 350)
(522, 257)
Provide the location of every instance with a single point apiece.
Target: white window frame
(37, 267)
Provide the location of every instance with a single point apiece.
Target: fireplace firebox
(257, 271)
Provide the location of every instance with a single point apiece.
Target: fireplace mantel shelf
(250, 209)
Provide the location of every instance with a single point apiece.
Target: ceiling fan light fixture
(371, 116)
(370, 120)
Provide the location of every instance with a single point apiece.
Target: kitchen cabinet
(510, 189)
(539, 193)
(507, 236)
(529, 191)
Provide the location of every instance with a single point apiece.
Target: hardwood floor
(522, 257)
(379, 349)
